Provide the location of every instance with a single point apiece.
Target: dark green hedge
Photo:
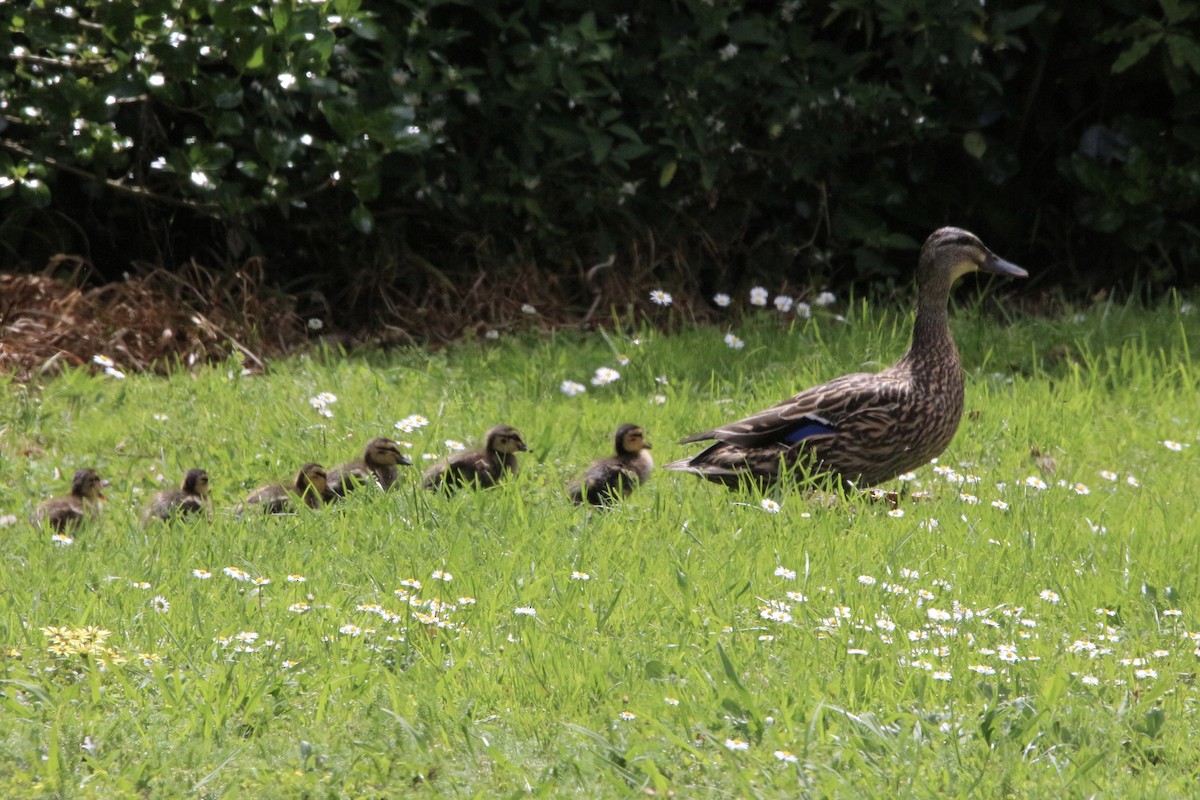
(799, 139)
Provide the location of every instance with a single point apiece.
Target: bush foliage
(787, 138)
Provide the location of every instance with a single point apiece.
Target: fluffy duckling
(380, 459)
(610, 479)
(69, 510)
(482, 468)
(311, 486)
(192, 497)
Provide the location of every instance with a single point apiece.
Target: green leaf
(667, 173)
(362, 219)
(1136, 52)
(1019, 17)
(257, 58)
(975, 144)
(1184, 52)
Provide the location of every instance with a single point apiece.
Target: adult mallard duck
(864, 429)
(192, 497)
(311, 486)
(69, 510)
(482, 468)
(607, 480)
(380, 459)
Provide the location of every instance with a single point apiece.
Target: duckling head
(88, 485)
(196, 482)
(505, 439)
(950, 253)
(385, 453)
(630, 439)
(312, 479)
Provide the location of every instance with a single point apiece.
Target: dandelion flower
(1132, 481)
(797, 597)
(526, 308)
(525, 611)
(1000, 504)
(941, 676)
(1172, 612)
(733, 341)
(722, 300)
(605, 376)
(626, 716)
(202, 574)
(62, 539)
(1142, 674)
(160, 604)
(803, 310)
(785, 573)
(237, 573)
(571, 388)
(1108, 475)
(982, 669)
(758, 296)
(103, 361)
(736, 744)
(295, 578)
(825, 299)
(896, 512)
(441, 575)
(1172, 445)
(856, 651)
(580, 576)
(866, 580)
(660, 298)
(786, 756)
(350, 630)
(671, 701)
(770, 506)
(1049, 596)
(1080, 488)
(1034, 482)
(1090, 680)
(783, 303)
(299, 608)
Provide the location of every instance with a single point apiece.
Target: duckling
(311, 486)
(380, 459)
(192, 497)
(482, 468)
(610, 479)
(68, 511)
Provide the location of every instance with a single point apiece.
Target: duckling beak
(404, 461)
(998, 266)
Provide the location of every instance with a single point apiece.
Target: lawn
(1017, 628)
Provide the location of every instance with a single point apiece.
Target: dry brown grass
(145, 323)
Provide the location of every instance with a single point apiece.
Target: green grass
(574, 699)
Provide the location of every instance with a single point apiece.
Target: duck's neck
(932, 342)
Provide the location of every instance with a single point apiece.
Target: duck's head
(88, 485)
(384, 452)
(196, 482)
(950, 253)
(630, 439)
(312, 478)
(504, 439)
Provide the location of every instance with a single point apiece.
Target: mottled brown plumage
(863, 429)
(311, 486)
(482, 468)
(380, 459)
(192, 497)
(607, 480)
(69, 510)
